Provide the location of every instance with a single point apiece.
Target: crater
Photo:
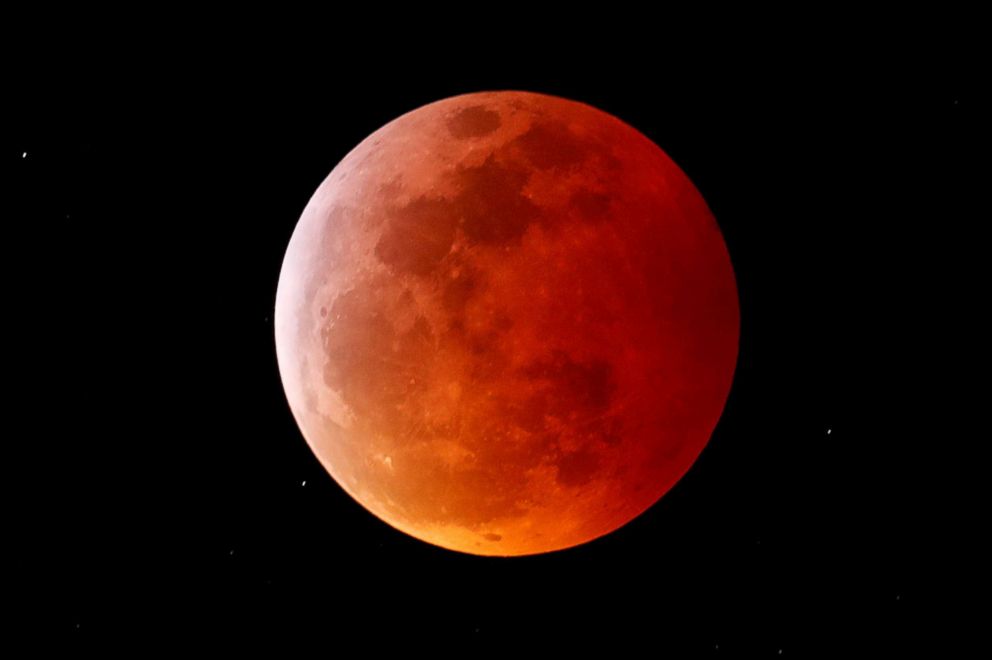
(473, 122)
(354, 348)
(577, 468)
(552, 144)
(459, 287)
(574, 386)
(418, 236)
(491, 204)
(371, 362)
(590, 206)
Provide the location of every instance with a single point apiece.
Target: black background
(164, 494)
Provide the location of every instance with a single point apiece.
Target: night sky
(169, 494)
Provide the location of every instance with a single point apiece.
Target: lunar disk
(506, 323)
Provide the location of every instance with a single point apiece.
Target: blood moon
(506, 323)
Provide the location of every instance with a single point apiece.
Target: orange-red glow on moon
(507, 323)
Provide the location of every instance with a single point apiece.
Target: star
(25, 155)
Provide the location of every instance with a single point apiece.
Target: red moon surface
(507, 323)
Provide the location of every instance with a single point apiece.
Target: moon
(507, 323)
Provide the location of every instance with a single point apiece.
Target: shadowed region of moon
(506, 323)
